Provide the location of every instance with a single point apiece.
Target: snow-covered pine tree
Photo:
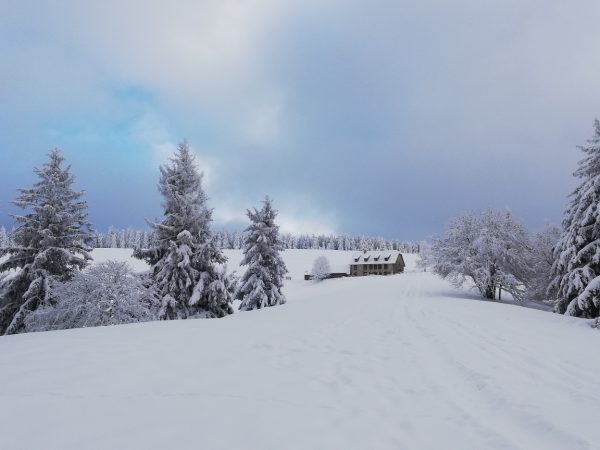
(183, 255)
(3, 237)
(542, 259)
(49, 243)
(233, 240)
(363, 244)
(145, 240)
(137, 239)
(123, 239)
(576, 268)
(314, 242)
(113, 240)
(261, 284)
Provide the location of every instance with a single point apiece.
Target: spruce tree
(49, 243)
(541, 261)
(262, 282)
(183, 255)
(3, 237)
(576, 269)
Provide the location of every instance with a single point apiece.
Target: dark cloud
(383, 118)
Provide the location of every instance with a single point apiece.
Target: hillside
(395, 362)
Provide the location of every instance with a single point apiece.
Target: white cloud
(304, 225)
(302, 214)
(194, 48)
(301, 218)
(151, 132)
(263, 123)
(296, 215)
(193, 55)
(229, 212)
(498, 80)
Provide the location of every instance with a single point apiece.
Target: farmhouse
(380, 262)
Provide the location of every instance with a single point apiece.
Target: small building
(337, 271)
(378, 262)
(308, 276)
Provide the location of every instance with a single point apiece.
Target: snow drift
(394, 362)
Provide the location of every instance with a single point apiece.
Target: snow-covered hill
(297, 261)
(394, 362)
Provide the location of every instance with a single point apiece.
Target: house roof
(377, 257)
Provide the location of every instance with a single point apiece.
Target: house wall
(377, 268)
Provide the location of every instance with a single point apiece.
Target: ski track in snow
(395, 362)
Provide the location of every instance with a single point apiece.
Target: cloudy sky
(366, 117)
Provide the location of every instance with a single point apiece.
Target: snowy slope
(392, 362)
(297, 261)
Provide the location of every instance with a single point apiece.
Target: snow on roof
(338, 268)
(376, 257)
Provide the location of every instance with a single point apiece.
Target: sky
(383, 118)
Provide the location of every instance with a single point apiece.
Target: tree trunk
(490, 289)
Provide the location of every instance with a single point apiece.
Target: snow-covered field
(399, 362)
(297, 261)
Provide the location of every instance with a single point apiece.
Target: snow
(403, 361)
(298, 262)
(375, 256)
(100, 255)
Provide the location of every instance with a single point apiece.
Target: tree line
(234, 240)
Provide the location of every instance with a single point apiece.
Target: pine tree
(183, 255)
(48, 244)
(576, 269)
(112, 238)
(542, 259)
(122, 239)
(3, 237)
(137, 239)
(145, 241)
(261, 284)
